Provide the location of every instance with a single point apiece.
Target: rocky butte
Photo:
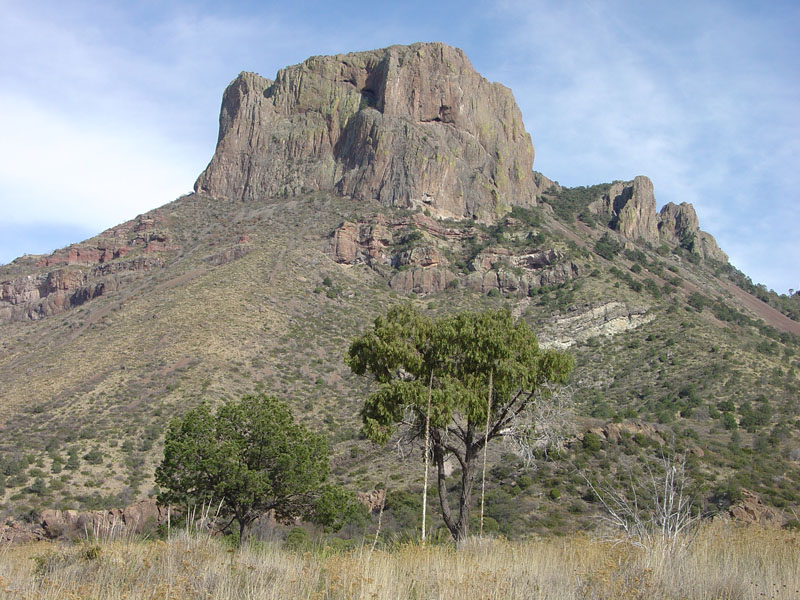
(408, 126)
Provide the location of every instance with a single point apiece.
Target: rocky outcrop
(589, 321)
(630, 208)
(518, 274)
(417, 246)
(679, 225)
(140, 517)
(376, 240)
(18, 532)
(420, 256)
(408, 126)
(144, 233)
(544, 184)
(362, 242)
(750, 509)
(422, 281)
(33, 297)
(81, 272)
(613, 432)
(373, 500)
(239, 250)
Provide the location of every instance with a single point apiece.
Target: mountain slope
(347, 185)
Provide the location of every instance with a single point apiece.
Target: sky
(109, 109)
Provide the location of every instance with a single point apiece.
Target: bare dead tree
(544, 425)
(656, 511)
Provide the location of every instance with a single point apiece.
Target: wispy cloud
(701, 98)
(108, 109)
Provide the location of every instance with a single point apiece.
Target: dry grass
(725, 562)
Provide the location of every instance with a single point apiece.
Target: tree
(251, 456)
(453, 359)
(655, 510)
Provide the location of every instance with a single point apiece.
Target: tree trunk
(459, 527)
(485, 446)
(243, 523)
(427, 453)
(465, 499)
(438, 456)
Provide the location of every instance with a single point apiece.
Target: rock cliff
(81, 272)
(630, 209)
(678, 224)
(409, 126)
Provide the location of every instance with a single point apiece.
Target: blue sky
(109, 109)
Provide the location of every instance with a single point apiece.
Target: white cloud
(700, 97)
(108, 109)
(60, 169)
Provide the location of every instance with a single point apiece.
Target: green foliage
(729, 421)
(568, 202)
(251, 455)
(607, 246)
(297, 540)
(457, 356)
(406, 508)
(93, 457)
(530, 216)
(591, 442)
(634, 284)
(697, 301)
(636, 256)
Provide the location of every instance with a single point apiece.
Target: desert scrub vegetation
(726, 561)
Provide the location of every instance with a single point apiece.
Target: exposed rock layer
(78, 273)
(424, 267)
(583, 323)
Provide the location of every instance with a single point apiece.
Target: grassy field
(724, 562)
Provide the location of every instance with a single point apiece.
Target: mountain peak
(408, 126)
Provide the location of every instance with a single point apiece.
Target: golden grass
(726, 562)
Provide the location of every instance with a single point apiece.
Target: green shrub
(729, 421)
(591, 442)
(607, 247)
(93, 457)
(697, 301)
(297, 540)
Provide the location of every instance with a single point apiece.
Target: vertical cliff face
(630, 208)
(678, 224)
(406, 125)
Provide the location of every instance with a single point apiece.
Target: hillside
(345, 186)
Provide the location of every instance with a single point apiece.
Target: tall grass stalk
(725, 562)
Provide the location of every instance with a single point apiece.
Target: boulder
(751, 510)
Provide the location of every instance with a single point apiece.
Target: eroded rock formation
(582, 323)
(81, 272)
(678, 224)
(406, 125)
(630, 208)
(424, 267)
